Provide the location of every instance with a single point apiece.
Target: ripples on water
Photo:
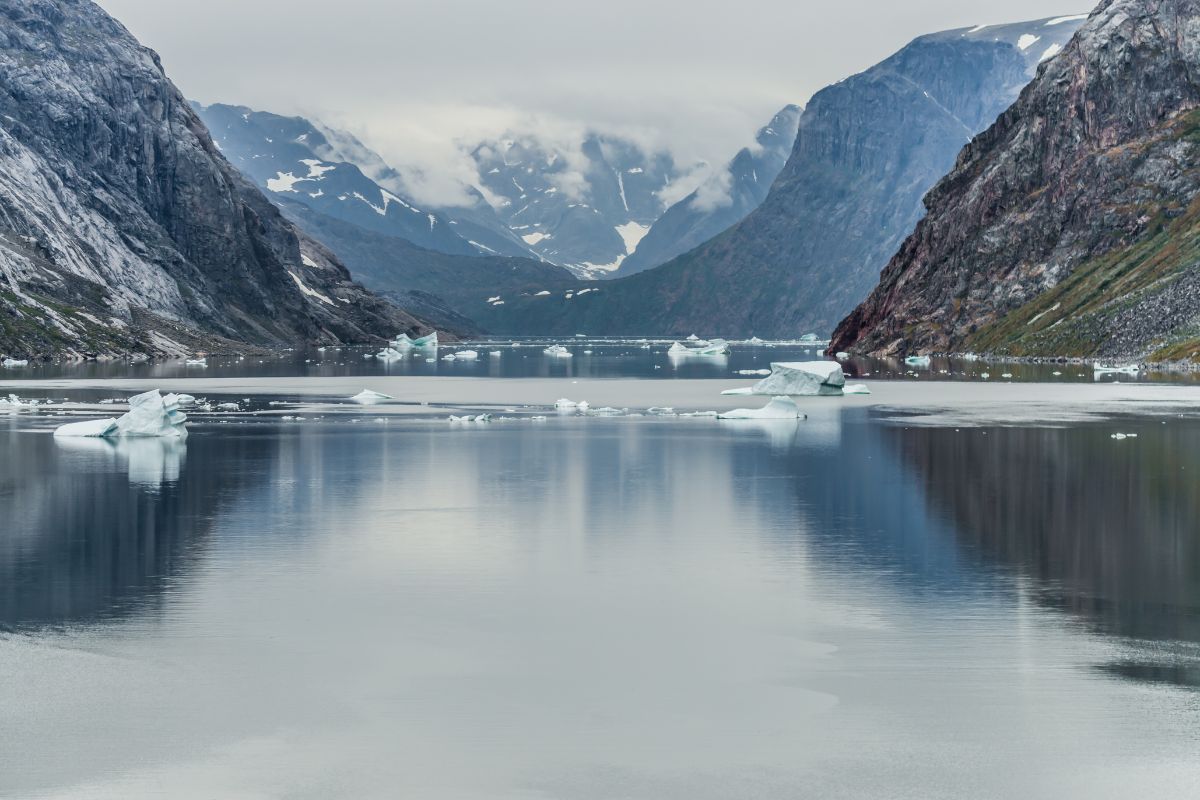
(598, 608)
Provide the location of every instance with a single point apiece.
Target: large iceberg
(778, 408)
(799, 378)
(150, 414)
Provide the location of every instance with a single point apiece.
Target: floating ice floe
(918, 361)
(466, 355)
(13, 402)
(753, 372)
(481, 419)
(754, 340)
(564, 404)
(369, 398)
(700, 348)
(1120, 436)
(798, 378)
(842, 356)
(197, 362)
(389, 354)
(855, 388)
(778, 408)
(1131, 369)
(495, 354)
(558, 351)
(228, 407)
(450, 357)
(150, 414)
(402, 341)
(426, 341)
(14, 362)
(693, 338)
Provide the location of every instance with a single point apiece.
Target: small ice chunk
(15, 362)
(495, 354)
(1130, 369)
(778, 408)
(466, 355)
(228, 407)
(369, 398)
(197, 362)
(389, 354)
(843, 356)
(855, 388)
(558, 351)
(918, 361)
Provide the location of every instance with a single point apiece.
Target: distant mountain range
(1071, 226)
(123, 228)
(867, 151)
(723, 200)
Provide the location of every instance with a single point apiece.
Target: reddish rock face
(1067, 227)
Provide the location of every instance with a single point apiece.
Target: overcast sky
(697, 76)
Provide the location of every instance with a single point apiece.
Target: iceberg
(855, 388)
(466, 355)
(558, 351)
(16, 402)
(389, 354)
(369, 398)
(14, 362)
(717, 347)
(798, 379)
(570, 405)
(197, 362)
(693, 338)
(402, 341)
(1131, 369)
(917, 361)
(754, 340)
(778, 408)
(842, 356)
(426, 341)
(495, 354)
(150, 414)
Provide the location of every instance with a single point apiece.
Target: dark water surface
(603, 608)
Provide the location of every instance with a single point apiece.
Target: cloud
(714, 192)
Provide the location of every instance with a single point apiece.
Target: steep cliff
(121, 225)
(867, 151)
(1072, 226)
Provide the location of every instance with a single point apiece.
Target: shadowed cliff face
(1069, 227)
(118, 214)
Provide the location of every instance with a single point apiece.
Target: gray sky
(698, 76)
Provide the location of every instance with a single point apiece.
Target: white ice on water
(150, 415)
(369, 398)
(558, 351)
(778, 408)
(798, 378)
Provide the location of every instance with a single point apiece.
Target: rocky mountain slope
(585, 209)
(121, 225)
(867, 151)
(724, 200)
(452, 290)
(1072, 226)
(291, 158)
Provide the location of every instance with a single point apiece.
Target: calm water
(602, 608)
(591, 358)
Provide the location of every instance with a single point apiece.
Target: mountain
(583, 208)
(1071, 227)
(454, 291)
(866, 152)
(724, 200)
(291, 158)
(122, 228)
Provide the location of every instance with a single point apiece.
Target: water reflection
(1108, 530)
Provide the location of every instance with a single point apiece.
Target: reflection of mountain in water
(1109, 530)
(96, 529)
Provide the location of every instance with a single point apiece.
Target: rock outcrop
(1072, 226)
